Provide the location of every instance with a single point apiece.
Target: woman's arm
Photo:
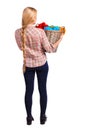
(18, 39)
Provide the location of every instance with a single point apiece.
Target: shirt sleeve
(18, 39)
(47, 46)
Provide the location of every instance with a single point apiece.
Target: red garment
(36, 46)
(42, 25)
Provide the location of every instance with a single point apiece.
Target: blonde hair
(28, 17)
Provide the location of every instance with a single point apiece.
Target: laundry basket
(53, 36)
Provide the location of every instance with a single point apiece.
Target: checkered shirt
(36, 46)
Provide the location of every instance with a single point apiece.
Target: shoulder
(42, 32)
(37, 31)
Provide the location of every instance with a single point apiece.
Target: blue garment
(29, 76)
(56, 28)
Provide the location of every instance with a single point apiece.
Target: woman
(34, 43)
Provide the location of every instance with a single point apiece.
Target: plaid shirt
(36, 46)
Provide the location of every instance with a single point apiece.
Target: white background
(66, 80)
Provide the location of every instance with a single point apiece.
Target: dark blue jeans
(29, 76)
